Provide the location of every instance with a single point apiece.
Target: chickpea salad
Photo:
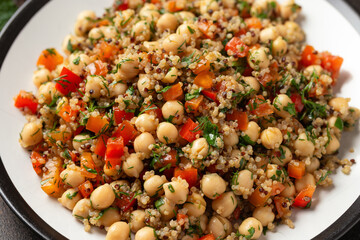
(201, 119)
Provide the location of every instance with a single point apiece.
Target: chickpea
(143, 142)
(109, 217)
(93, 86)
(229, 3)
(167, 133)
(149, 13)
(189, 31)
(174, 44)
(199, 149)
(312, 70)
(244, 180)
(82, 208)
(154, 185)
(279, 47)
(77, 62)
(173, 110)
(133, 166)
(258, 58)
(167, 21)
(31, 134)
(225, 204)
(46, 92)
(146, 123)
(171, 75)
(208, 5)
(271, 171)
(141, 31)
(129, 69)
(303, 147)
(271, 137)
(134, 4)
(294, 33)
(289, 190)
(264, 214)
(145, 233)
(176, 190)
(285, 156)
(137, 220)
(253, 131)
(251, 223)
(231, 139)
(80, 141)
(333, 145)
(84, 22)
(118, 231)
(69, 198)
(219, 226)
(253, 83)
(102, 197)
(117, 88)
(195, 204)
(340, 104)
(262, 6)
(268, 34)
(72, 176)
(306, 180)
(151, 46)
(167, 209)
(185, 16)
(123, 18)
(281, 104)
(96, 34)
(145, 85)
(203, 222)
(70, 42)
(212, 185)
(314, 165)
(41, 76)
(288, 9)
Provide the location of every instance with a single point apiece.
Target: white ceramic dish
(326, 29)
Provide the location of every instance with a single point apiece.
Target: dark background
(11, 227)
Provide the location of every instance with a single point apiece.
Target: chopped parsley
(210, 130)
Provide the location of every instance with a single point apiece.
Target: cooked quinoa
(186, 119)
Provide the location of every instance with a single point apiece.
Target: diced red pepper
(86, 188)
(79, 130)
(189, 174)
(125, 201)
(121, 5)
(204, 26)
(332, 64)
(169, 158)
(181, 218)
(237, 212)
(127, 131)
(152, 109)
(259, 106)
(190, 130)
(296, 169)
(175, 92)
(210, 94)
(296, 99)
(208, 237)
(304, 197)
(240, 117)
(38, 162)
(114, 152)
(68, 81)
(277, 188)
(121, 115)
(309, 56)
(237, 47)
(100, 147)
(270, 77)
(26, 99)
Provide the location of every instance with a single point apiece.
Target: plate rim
(18, 205)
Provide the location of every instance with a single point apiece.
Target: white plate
(326, 29)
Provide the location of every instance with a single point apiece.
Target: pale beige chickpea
(279, 47)
(285, 156)
(294, 33)
(219, 226)
(123, 18)
(109, 217)
(171, 75)
(262, 6)
(203, 222)
(231, 139)
(143, 142)
(70, 42)
(225, 204)
(133, 165)
(117, 88)
(199, 149)
(149, 13)
(102, 197)
(177, 190)
(167, 21)
(146, 123)
(251, 223)
(173, 110)
(167, 133)
(195, 204)
(289, 190)
(189, 31)
(141, 31)
(333, 145)
(46, 92)
(264, 214)
(118, 231)
(129, 68)
(154, 185)
(69, 198)
(281, 104)
(145, 85)
(253, 83)
(145, 233)
(212, 185)
(313, 166)
(137, 220)
(84, 22)
(41, 76)
(244, 180)
(79, 141)
(340, 104)
(304, 182)
(303, 146)
(167, 209)
(72, 176)
(96, 33)
(313, 70)
(271, 171)
(185, 16)
(109, 32)
(271, 137)
(151, 46)
(77, 62)
(208, 5)
(288, 9)
(253, 131)
(82, 209)
(258, 58)
(268, 34)
(31, 134)
(93, 86)
(174, 44)
(134, 4)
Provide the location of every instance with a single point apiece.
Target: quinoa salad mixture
(186, 119)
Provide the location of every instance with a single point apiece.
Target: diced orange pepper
(38, 162)
(304, 197)
(100, 147)
(259, 106)
(202, 65)
(175, 92)
(194, 104)
(97, 124)
(204, 79)
(181, 218)
(51, 182)
(26, 99)
(277, 188)
(240, 117)
(54, 136)
(86, 188)
(49, 58)
(259, 197)
(67, 113)
(296, 169)
(172, 6)
(98, 68)
(189, 174)
(281, 206)
(208, 237)
(253, 22)
(107, 50)
(87, 165)
(204, 26)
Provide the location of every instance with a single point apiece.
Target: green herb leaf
(193, 95)
(339, 124)
(210, 130)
